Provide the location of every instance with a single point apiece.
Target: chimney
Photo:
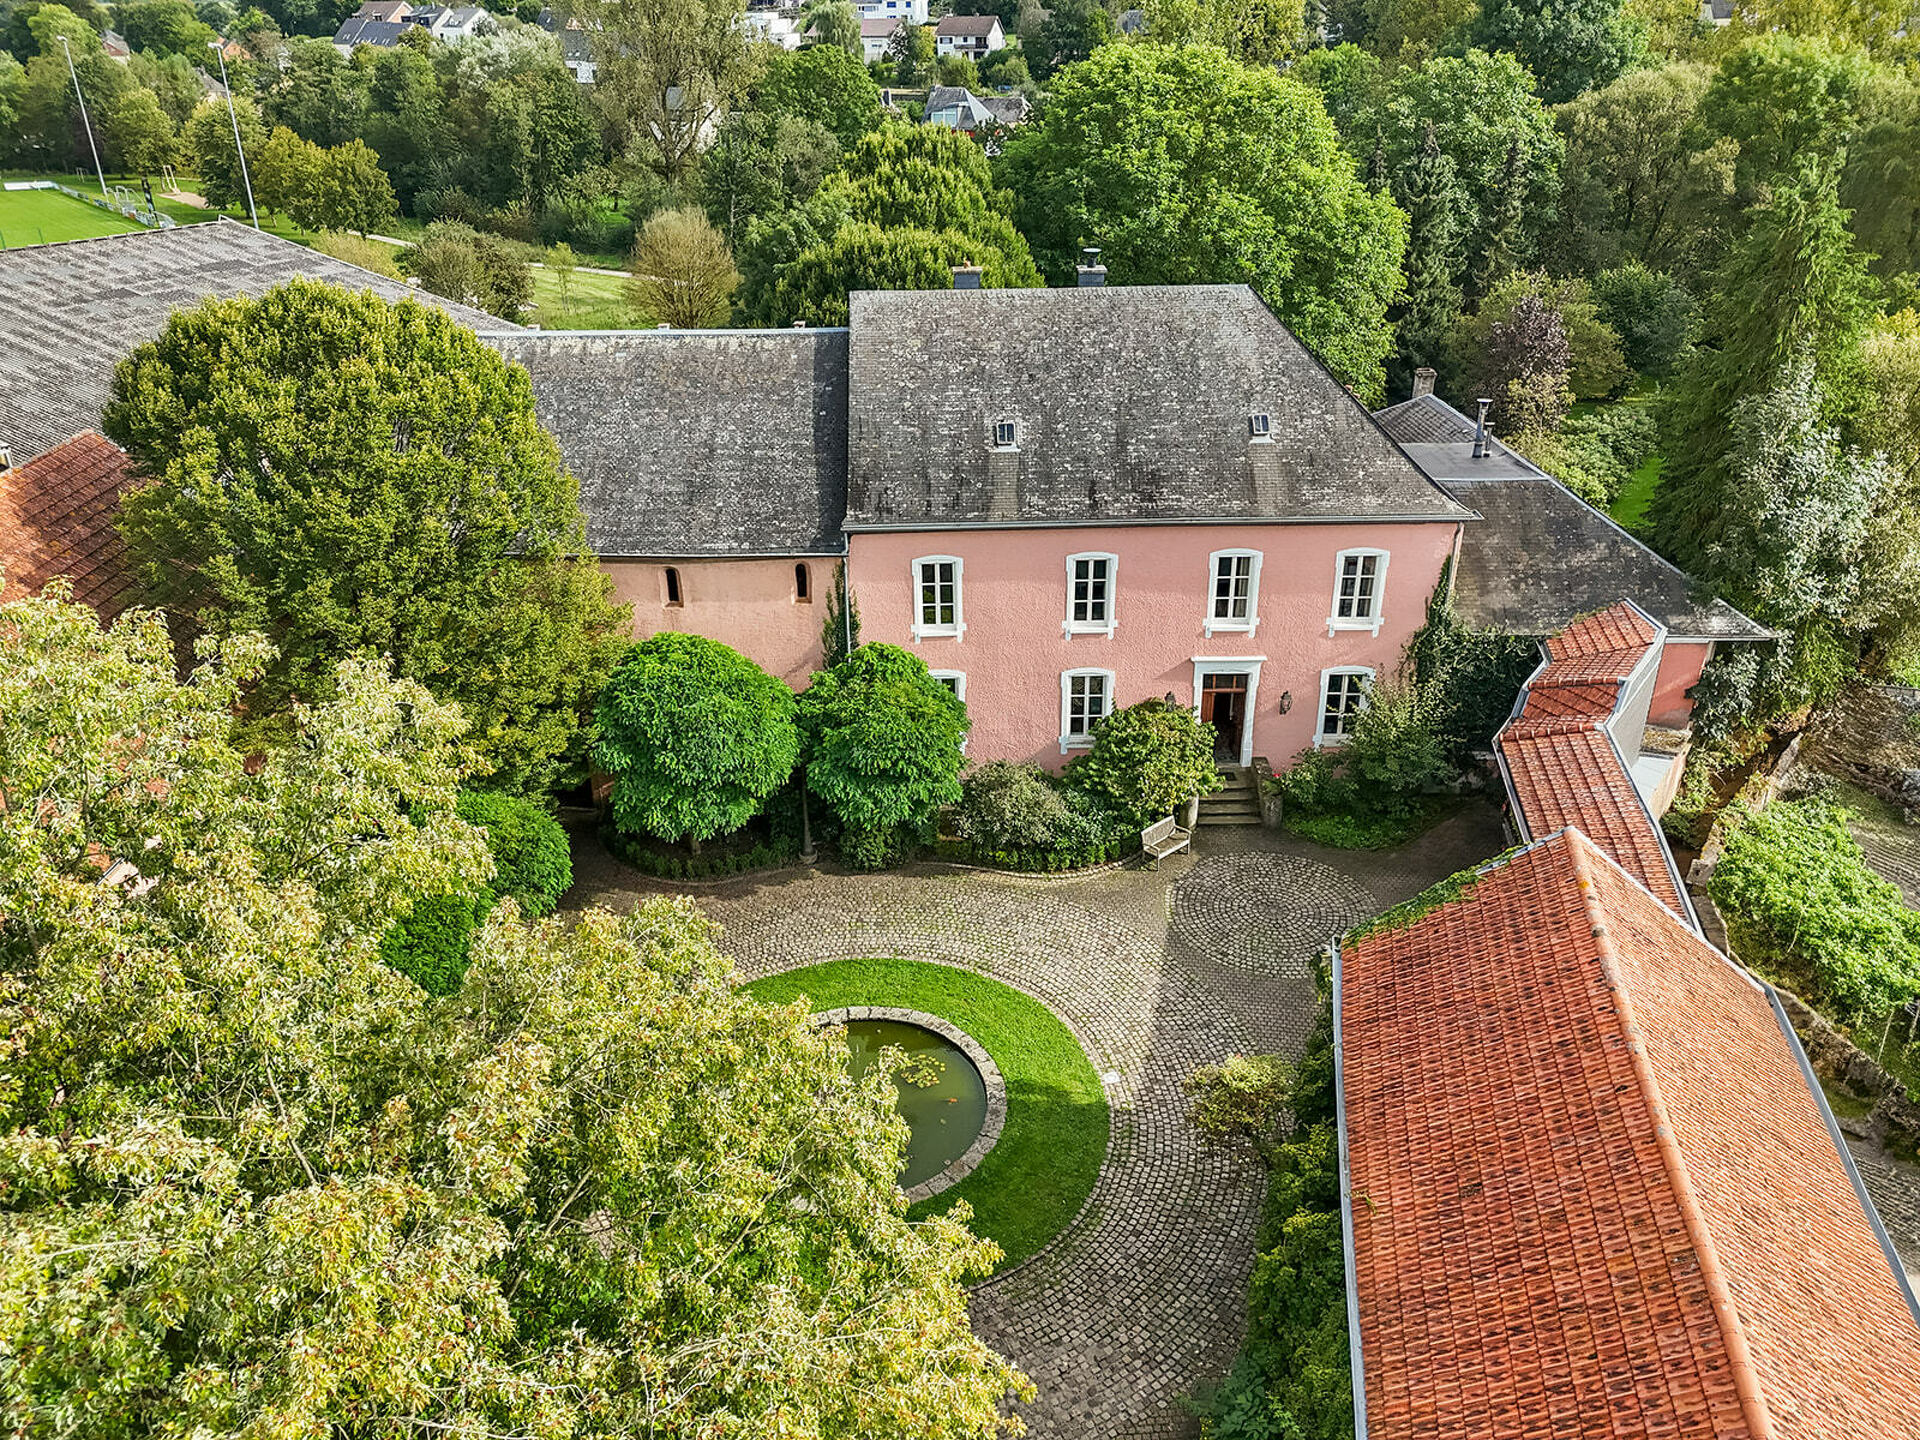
(1423, 379)
(1090, 273)
(6, 459)
(1482, 440)
(966, 277)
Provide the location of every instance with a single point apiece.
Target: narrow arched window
(802, 583)
(673, 586)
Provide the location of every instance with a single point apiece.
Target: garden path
(1140, 1302)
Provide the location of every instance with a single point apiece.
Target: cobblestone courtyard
(1140, 1301)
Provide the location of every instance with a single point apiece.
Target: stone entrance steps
(1236, 803)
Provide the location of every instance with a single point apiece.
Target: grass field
(1630, 505)
(41, 217)
(1040, 1171)
(593, 302)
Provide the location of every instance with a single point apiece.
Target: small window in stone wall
(802, 583)
(673, 586)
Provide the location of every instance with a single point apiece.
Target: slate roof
(56, 518)
(1542, 555)
(1559, 759)
(692, 443)
(957, 26)
(1590, 1187)
(1132, 403)
(70, 312)
(365, 30)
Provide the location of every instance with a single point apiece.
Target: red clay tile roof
(1591, 1194)
(56, 518)
(1561, 764)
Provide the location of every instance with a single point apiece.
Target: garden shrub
(430, 946)
(1005, 806)
(882, 749)
(1372, 791)
(696, 737)
(1292, 1379)
(1471, 677)
(531, 859)
(1594, 455)
(1793, 880)
(1147, 760)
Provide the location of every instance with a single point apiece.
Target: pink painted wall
(1014, 590)
(1681, 662)
(748, 604)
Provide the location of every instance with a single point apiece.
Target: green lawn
(1629, 509)
(593, 302)
(1044, 1165)
(40, 217)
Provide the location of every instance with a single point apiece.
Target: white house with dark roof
(975, 36)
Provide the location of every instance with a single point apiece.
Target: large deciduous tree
(1480, 105)
(682, 271)
(696, 737)
(257, 1182)
(1571, 46)
(909, 204)
(347, 475)
(1185, 167)
(882, 740)
(1783, 101)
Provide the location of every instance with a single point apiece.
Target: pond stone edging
(996, 1085)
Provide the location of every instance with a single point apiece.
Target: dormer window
(1260, 426)
(1003, 434)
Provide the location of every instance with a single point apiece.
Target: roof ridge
(1726, 1314)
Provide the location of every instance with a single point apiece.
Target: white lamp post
(234, 115)
(98, 172)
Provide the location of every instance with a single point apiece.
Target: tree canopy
(348, 476)
(696, 737)
(259, 1182)
(1187, 167)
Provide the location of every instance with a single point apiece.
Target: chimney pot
(1482, 439)
(1423, 379)
(966, 277)
(1090, 273)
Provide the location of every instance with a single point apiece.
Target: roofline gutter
(1355, 1360)
(673, 557)
(1124, 522)
(1894, 1262)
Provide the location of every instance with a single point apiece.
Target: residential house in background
(975, 36)
(114, 45)
(960, 109)
(358, 30)
(454, 23)
(876, 37)
(914, 12)
(774, 25)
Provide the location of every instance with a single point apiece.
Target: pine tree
(1431, 194)
(1793, 284)
(1505, 235)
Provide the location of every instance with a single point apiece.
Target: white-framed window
(1233, 591)
(1005, 434)
(1343, 695)
(1090, 598)
(954, 680)
(1359, 591)
(936, 597)
(1086, 698)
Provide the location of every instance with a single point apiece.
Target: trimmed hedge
(762, 855)
(1038, 861)
(531, 859)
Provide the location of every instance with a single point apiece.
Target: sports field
(40, 217)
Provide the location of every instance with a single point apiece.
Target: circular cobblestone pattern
(1264, 913)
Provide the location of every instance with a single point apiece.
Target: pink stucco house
(1066, 501)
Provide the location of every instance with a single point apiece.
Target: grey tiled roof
(364, 30)
(698, 442)
(1131, 403)
(69, 313)
(1541, 555)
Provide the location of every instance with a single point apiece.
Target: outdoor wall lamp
(1286, 701)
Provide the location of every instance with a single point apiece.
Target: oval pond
(940, 1094)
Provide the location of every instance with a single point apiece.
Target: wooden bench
(1164, 838)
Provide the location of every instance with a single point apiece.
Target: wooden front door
(1223, 704)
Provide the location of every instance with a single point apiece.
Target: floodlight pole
(84, 120)
(234, 115)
